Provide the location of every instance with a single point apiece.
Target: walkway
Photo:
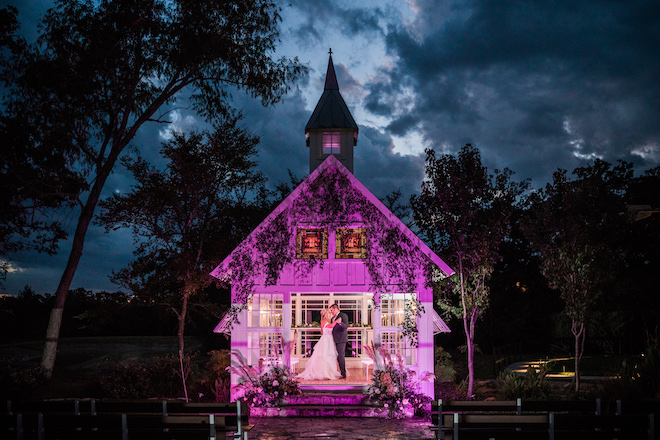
(284, 428)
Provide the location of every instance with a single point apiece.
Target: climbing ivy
(330, 201)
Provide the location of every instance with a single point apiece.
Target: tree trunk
(85, 218)
(468, 327)
(469, 333)
(182, 325)
(578, 353)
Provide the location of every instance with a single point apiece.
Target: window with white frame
(310, 310)
(265, 310)
(306, 316)
(393, 342)
(265, 345)
(393, 308)
(331, 142)
(352, 308)
(393, 314)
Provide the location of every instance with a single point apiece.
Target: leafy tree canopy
(465, 214)
(577, 228)
(102, 69)
(192, 213)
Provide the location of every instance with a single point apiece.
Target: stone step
(334, 388)
(320, 411)
(324, 405)
(328, 399)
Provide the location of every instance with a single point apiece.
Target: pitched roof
(332, 161)
(331, 111)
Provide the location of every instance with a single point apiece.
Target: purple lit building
(331, 240)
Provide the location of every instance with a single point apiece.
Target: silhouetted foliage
(578, 228)
(101, 70)
(465, 214)
(187, 217)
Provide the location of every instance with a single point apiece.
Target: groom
(340, 335)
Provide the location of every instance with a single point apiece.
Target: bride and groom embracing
(330, 349)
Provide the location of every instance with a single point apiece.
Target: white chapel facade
(288, 309)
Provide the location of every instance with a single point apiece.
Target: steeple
(330, 76)
(331, 128)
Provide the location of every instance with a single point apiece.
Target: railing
(358, 337)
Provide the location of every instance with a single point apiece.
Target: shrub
(444, 367)
(216, 381)
(159, 377)
(533, 386)
(262, 388)
(641, 377)
(395, 387)
(448, 391)
(21, 382)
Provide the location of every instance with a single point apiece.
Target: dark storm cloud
(324, 15)
(530, 83)
(382, 170)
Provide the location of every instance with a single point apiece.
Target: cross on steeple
(330, 51)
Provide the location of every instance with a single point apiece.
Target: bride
(323, 362)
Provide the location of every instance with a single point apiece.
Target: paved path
(283, 428)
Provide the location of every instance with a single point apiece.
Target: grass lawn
(80, 361)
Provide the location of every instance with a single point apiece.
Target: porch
(275, 320)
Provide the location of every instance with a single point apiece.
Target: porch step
(328, 399)
(333, 388)
(324, 405)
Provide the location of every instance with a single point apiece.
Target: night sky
(535, 85)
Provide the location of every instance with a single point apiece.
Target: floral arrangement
(395, 387)
(262, 388)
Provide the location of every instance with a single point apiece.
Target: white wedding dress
(322, 365)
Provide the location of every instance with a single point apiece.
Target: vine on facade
(330, 201)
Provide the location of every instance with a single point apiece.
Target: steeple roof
(331, 111)
(331, 77)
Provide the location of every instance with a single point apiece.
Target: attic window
(312, 243)
(331, 142)
(351, 243)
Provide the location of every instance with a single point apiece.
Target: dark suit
(340, 336)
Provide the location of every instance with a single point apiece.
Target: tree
(184, 217)
(576, 228)
(464, 214)
(643, 264)
(28, 171)
(102, 70)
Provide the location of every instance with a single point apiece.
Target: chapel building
(327, 243)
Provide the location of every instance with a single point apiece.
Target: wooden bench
(586, 427)
(72, 406)
(118, 426)
(125, 426)
(564, 420)
(11, 426)
(563, 406)
(133, 416)
(235, 414)
(487, 426)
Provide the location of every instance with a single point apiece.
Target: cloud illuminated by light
(578, 144)
(10, 267)
(411, 144)
(649, 151)
(178, 124)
